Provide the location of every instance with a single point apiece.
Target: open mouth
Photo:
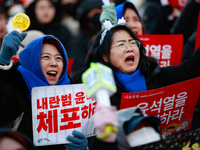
(129, 60)
(52, 73)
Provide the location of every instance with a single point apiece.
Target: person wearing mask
(88, 16)
(134, 128)
(46, 16)
(13, 7)
(44, 62)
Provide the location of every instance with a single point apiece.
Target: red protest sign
(174, 107)
(178, 3)
(167, 49)
(70, 65)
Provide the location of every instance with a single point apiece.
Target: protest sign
(167, 49)
(58, 110)
(181, 141)
(70, 65)
(178, 3)
(173, 104)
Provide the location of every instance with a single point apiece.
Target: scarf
(134, 82)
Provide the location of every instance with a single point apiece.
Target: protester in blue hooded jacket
(44, 62)
(126, 10)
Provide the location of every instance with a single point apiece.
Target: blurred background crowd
(76, 22)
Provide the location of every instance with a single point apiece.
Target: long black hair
(97, 50)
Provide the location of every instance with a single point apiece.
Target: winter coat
(15, 96)
(186, 24)
(164, 76)
(189, 46)
(159, 77)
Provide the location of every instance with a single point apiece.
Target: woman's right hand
(103, 117)
(10, 45)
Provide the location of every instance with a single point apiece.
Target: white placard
(58, 110)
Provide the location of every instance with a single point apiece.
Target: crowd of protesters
(74, 29)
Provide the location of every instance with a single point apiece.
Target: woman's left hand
(79, 141)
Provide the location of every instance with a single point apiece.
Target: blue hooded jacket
(31, 69)
(120, 12)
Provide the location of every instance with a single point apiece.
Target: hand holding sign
(79, 141)
(99, 84)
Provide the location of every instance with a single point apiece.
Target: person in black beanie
(13, 7)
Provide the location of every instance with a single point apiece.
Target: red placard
(178, 3)
(70, 65)
(173, 104)
(167, 49)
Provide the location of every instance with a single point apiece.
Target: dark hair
(56, 43)
(98, 50)
(17, 136)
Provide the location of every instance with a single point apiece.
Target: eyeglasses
(123, 45)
